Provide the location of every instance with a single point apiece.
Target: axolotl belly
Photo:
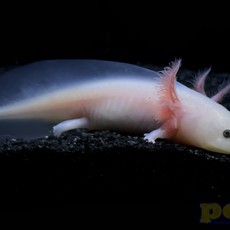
(102, 95)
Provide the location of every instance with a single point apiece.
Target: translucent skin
(116, 96)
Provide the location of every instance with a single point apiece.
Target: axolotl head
(205, 124)
(191, 117)
(216, 130)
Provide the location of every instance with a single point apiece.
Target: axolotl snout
(99, 95)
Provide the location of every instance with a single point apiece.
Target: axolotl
(107, 95)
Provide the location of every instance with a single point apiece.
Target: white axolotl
(106, 95)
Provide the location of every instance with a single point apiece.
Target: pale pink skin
(161, 108)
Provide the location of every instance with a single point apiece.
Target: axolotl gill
(107, 95)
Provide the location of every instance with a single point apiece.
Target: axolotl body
(106, 95)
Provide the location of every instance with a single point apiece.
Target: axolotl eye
(226, 133)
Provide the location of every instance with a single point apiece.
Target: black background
(139, 33)
(132, 32)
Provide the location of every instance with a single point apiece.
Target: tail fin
(28, 129)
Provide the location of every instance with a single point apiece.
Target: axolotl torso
(99, 95)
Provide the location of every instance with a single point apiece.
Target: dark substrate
(103, 167)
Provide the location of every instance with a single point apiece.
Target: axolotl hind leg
(69, 125)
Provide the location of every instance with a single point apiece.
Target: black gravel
(85, 167)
